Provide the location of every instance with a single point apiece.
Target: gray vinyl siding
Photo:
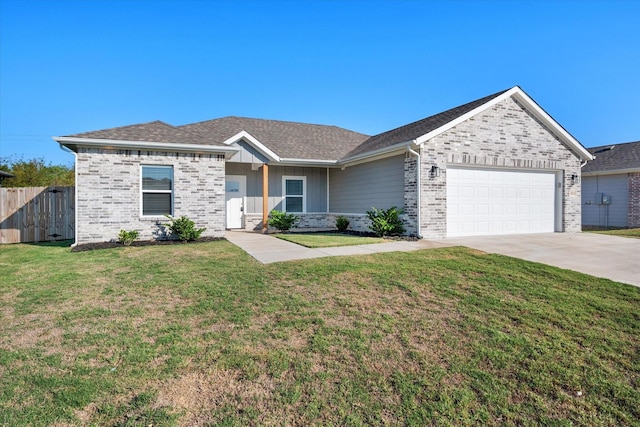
(247, 154)
(316, 196)
(593, 214)
(357, 188)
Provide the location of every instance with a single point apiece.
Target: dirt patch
(140, 243)
(198, 394)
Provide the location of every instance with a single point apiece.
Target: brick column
(633, 219)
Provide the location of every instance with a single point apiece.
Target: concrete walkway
(267, 249)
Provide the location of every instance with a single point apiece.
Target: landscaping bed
(140, 243)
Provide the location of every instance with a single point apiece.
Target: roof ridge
(272, 120)
(612, 144)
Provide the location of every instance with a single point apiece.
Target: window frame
(302, 178)
(143, 191)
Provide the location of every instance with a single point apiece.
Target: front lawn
(326, 240)
(625, 232)
(202, 334)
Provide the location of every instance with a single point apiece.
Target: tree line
(36, 173)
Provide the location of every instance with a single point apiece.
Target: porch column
(265, 197)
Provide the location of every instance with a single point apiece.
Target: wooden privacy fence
(36, 214)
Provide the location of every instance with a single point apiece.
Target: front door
(235, 190)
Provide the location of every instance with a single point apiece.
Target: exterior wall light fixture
(435, 171)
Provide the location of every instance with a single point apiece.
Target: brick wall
(502, 136)
(634, 200)
(109, 198)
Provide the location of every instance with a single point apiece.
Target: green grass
(326, 240)
(202, 334)
(625, 232)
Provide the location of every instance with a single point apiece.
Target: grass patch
(327, 240)
(203, 335)
(624, 232)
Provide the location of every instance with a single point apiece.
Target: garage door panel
(494, 201)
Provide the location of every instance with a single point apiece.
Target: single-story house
(611, 187)
(497, 165)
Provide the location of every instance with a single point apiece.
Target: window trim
(304, 191)
(143, 191)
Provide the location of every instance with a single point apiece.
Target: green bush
(127, 237)
(386, 222)
(282, 221)
(342, 223)
(183, 228)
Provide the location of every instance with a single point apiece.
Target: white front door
(235, 191)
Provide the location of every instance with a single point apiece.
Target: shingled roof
(614, 157)
(287, 139)
(414, 130)
(308, 142)
(156, 131)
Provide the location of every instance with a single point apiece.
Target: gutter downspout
(75, 196)
(418, 185)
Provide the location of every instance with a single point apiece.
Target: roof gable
(616, 157)
(423, 130)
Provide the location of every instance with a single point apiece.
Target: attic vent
(602, 150)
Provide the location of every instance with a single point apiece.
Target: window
(294, 191)
(157, 190)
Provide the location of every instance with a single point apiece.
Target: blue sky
(369, 66)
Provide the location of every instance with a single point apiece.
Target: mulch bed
(109, 245)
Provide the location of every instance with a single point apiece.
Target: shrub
(342, 223)
(127, 237)
(282, 221)
(183, 228)
(386, 222)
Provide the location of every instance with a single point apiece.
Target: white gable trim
(244, 135)
(531, 106)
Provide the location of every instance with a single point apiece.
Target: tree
(36, 173)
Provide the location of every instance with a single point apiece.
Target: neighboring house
(4, 175)
(497, 165)
(611, 187)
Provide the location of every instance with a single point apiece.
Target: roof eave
(306, 162)
(611, 172)
(380, 153)
(545, 118)
(74, 142)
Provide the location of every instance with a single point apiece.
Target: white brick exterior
(503, 136)
(109, 197)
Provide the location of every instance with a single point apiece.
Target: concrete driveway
(611, 257)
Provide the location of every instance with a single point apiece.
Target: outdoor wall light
(575, 179)
(435, 171)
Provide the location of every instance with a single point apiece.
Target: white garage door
(496, 201)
